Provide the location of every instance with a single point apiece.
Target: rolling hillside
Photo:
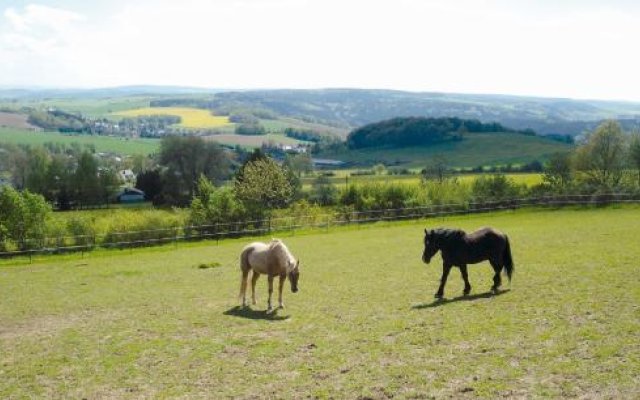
(476, 150)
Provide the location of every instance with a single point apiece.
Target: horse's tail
(244, 269)
(507, 259)
(244, 259)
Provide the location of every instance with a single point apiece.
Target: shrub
(496, 187)
(141, 228)
(83, 231)
(22, 219)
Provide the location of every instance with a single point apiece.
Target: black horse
(459, 249)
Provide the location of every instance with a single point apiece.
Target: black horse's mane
(449, 234)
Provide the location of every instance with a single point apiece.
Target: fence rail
(121, 240)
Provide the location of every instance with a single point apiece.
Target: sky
(561, 48)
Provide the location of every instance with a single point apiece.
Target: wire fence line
(291, 224)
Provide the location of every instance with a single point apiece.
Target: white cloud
(573, 49)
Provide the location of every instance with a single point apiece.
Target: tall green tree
(263, 187)
(602, 158)
(184, 159)
(85, 180)
(558, 170)
(36, 174)
(59, 183)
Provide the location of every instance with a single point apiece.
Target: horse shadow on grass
(442, 302)
(249, 313)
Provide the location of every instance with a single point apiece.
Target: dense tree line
(250, 129)
(307, 135)
(67, 177)
(417, 131)
(56, 120)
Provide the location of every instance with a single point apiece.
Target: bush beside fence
(87, 241)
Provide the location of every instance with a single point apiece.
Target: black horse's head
(293, 277)
(430, 248)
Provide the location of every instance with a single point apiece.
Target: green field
(280, 124)
(102, 143)
(150, 323)
(252, 141)
(91, 107)
(475, 150)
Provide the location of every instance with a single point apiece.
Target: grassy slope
(475, 150)
(279, 125)
(101, 143)
(93, 107)
(149, 323)
(252, 140)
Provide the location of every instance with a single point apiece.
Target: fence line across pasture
(291, 224)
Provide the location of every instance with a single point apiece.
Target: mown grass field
(475, 150)
(251, 141)
(102, 143)
(150, 323)
(191, 117)
(101, 107)
(280, 124)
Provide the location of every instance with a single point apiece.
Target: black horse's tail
(507, 259)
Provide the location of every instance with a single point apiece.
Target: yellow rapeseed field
(191, 117)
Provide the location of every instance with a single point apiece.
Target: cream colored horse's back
(255, 256)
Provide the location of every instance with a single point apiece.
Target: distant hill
(346, 109)
(357, 107)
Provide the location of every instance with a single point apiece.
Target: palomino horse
(273, 259)
(459, 249)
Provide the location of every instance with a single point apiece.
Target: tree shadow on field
(442, 302)
(249, 313)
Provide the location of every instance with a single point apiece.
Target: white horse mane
(282, 252)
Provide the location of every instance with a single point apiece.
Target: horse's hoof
(281, 307)
(439, 296)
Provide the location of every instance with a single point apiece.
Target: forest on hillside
(420, 131)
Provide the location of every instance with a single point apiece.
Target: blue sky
(570, 48)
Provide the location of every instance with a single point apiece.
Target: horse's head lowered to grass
(294, 275)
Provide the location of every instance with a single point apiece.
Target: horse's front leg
(269, 307)
(280, 286)
(445, 273)
(465, 278)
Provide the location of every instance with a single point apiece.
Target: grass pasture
(102, 143)
(164, 322)
(475, 150)
(191, 117)
(232, 139)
